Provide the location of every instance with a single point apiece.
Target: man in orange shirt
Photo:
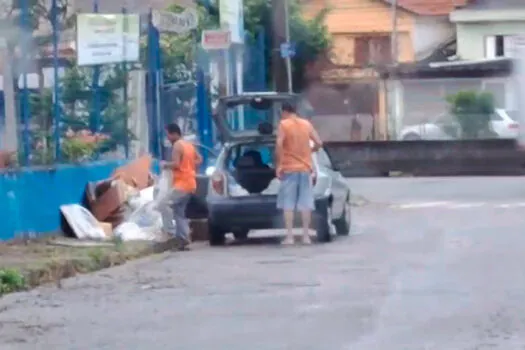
(295, 170)
(184, 162)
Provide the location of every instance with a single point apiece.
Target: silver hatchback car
(242, 188)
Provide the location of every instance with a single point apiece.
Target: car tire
(216, 235)
(241, 235)
(342, 224)
(323, 223)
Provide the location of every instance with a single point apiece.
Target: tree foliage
(311, 37)
(77, 107)
(473, 112)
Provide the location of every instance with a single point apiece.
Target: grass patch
(30, 264)
(11, 280)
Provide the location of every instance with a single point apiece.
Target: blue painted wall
(30, 198)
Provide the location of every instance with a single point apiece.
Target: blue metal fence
(30, 195)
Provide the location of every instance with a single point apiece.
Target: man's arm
(314, 136)
(279, 145)
(198, 158)
(176, 156)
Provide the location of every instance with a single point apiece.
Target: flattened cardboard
(136, 173)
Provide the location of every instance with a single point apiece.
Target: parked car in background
(445, 127)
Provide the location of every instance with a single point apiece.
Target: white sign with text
(107, 38)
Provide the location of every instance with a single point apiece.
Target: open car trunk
(252, 181)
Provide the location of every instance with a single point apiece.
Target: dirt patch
(51, 260)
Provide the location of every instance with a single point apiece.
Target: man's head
(287, 109)
(173, 132)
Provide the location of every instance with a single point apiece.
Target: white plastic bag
(145, 223)
(163, 186)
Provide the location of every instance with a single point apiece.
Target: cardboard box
(136, 173)
(109, 205)
(107, 227)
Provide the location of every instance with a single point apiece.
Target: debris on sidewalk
(123, 206)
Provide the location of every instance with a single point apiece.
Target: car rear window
(495, 117)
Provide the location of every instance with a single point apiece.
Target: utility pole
(279, 34)
(394, 96)
(393, 36)
(287, 38)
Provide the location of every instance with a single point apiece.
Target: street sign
(287, 50)
(179, 23)
(215, 39)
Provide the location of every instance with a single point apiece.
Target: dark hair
(173, 128)
(288, 107)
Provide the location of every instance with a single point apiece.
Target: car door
(340, 188)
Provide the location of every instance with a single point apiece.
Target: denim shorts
(296, 192)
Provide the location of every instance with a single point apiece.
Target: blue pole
(56, 87)
(151, 91)
(125, 97)
(24, 105)
(95, 113)
(262, 66)
(203, 115)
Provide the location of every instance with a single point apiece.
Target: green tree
(179, 54)
(310, 36)
(473, 112)
(76, 104)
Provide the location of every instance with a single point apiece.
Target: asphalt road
(431, 264)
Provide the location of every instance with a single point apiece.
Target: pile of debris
(123, 206)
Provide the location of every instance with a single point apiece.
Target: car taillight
(217, 182)
(514, 126)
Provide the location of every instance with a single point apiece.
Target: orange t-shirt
(296, 154)
(184, 176)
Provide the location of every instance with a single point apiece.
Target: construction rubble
(123, 206)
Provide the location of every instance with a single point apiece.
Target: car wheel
(342, 224)
(216, 235)
(323, 223)
(240, 234)
(412, 137)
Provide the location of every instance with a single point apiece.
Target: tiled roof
(430, 7)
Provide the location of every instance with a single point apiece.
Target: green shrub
(11, 281)
(473, 112)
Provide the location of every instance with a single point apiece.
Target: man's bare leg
(288, 222)
(306, 216)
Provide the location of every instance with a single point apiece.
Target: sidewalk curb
(55, 270)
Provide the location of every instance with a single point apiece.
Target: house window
(372, 50)
(498, 46)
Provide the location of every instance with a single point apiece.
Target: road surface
(431, 264)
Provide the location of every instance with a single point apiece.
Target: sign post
(231, 14)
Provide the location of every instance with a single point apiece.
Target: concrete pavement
(440, 275)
